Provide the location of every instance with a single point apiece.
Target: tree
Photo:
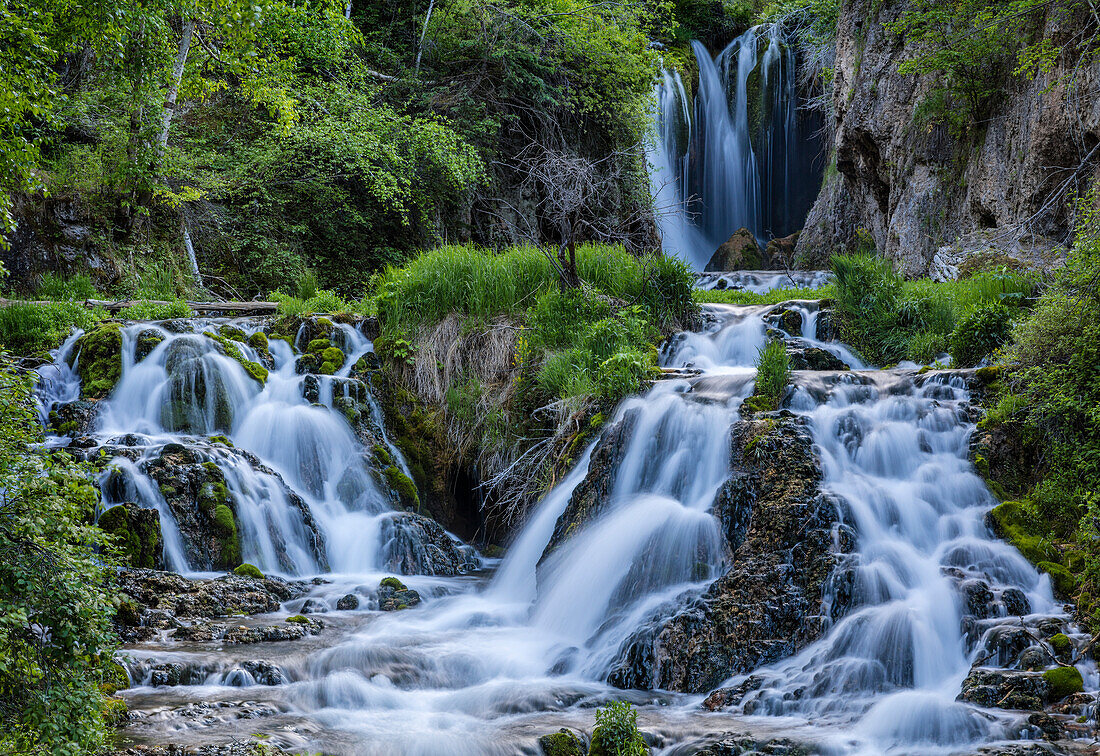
(56, 641)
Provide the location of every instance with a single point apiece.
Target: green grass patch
(775, 296)
(149, 310)
(27, 329)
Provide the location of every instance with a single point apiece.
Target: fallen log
(121, 304)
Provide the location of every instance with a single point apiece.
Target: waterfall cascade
(742, 156)
(492, 660)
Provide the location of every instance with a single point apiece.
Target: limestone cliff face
(929, 199)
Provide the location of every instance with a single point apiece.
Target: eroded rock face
(418, 545)
(769, 603)
(916, 188)
(183, 597)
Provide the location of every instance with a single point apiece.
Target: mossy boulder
(248, 570)
(1014, 523)
(562, 743)
(392, 582)
(318, 346)
(335, 355)
(136, 532)
(114, 678)
(255, 370)
(739, 252)
(229, 540)
(1062, 646)
(1063, 581)
(233, 333)
(298, 619)
(147, 341)
(99, 359)
(1062, 682)
(394, 596)
(403, 486)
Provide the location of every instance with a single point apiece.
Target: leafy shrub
(983, 330)
(56, 641)
(773, 373)
(616, 732)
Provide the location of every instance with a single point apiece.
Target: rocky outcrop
(152, 590)
(739, 252)
(779, 528)
(915, 187)
(418, 545)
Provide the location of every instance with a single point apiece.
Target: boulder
(418, 545)
(137, 532)
(768, 605)
(185, 597)
(739, 252)
(780, 252)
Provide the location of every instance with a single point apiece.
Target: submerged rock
(418, 545)
(768, 605)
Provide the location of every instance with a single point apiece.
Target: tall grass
(29, 329)
(773, 374)
(775, 296)
(60, 288)
(888, 319)
(483, 283)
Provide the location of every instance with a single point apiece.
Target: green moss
(220, 440)
(988, 374)
(233, 333)
(114, 711)
(114, 519)
(327, 368)
(229, 540)
(334, 355)
(99, 359)
(324, 324)
(258, 341)
(1062, 646)
(1065, 584)
(138, 541)
(403, 485)
(297, 619)
(1014, 523)
(1062, 682)
(392, 582)
(382, 454)
(114, 678)
(255, 370)
(128, 613)
(248, 570)
(318, 346)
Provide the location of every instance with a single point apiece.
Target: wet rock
(170, 673)
(744, 745)
(1046, 724)
(314, 606)
(137, 530)
(393, 595)
(594, 492)
(804, 356)
(1016, 603)
(74, 419)
(1004, 689)
(268, 633)
(146, 342)
(1033, 658)
(264, 672)
(347, 602)
(979, 599)
(768, 605)
(786, 318)
(739, 252)
(563, 743)
(418, 545)
(229, 594)
(98, 359)
(779, 253)
(723, 698)
(237, 748)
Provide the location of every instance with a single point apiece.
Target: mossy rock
(403, 485)
(233, 333)
(382, 455)
(562, 743)
(99, 359)
(1062, 682)
(255, 370)
(114, 678)
(248, 570)
(128, 613)
(392, 582)
(259, 342)
(988, 374)
(147, 341)
(212, 495)
(327, 368)
(324, 324)
(318, 346)
(229, 541)
(335, 355)
(298, 619)
(1012, 522)
(114, 711)
(221, 440)
(1062, 646)
(136, 532)
(1065, 584)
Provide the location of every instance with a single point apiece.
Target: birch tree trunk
(173, 91)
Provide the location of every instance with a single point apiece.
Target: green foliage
(979, 333)
(616, 732)
(888, 319)
(477, 282)
(27, 328)
(58, 288)
(149, 310)
(248, 570)
(404, 486)
(972, 46)
(56, 641)
(773, 374)
(323, 300)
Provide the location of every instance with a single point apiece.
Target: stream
(501, 651)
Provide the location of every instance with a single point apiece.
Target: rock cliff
(930, 198)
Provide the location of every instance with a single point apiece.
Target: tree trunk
(173, 92)
(424, 33)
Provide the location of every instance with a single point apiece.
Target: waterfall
(742, 156)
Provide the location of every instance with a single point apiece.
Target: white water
(741, 157)
(487, 667)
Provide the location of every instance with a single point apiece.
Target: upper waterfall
(742, 155)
